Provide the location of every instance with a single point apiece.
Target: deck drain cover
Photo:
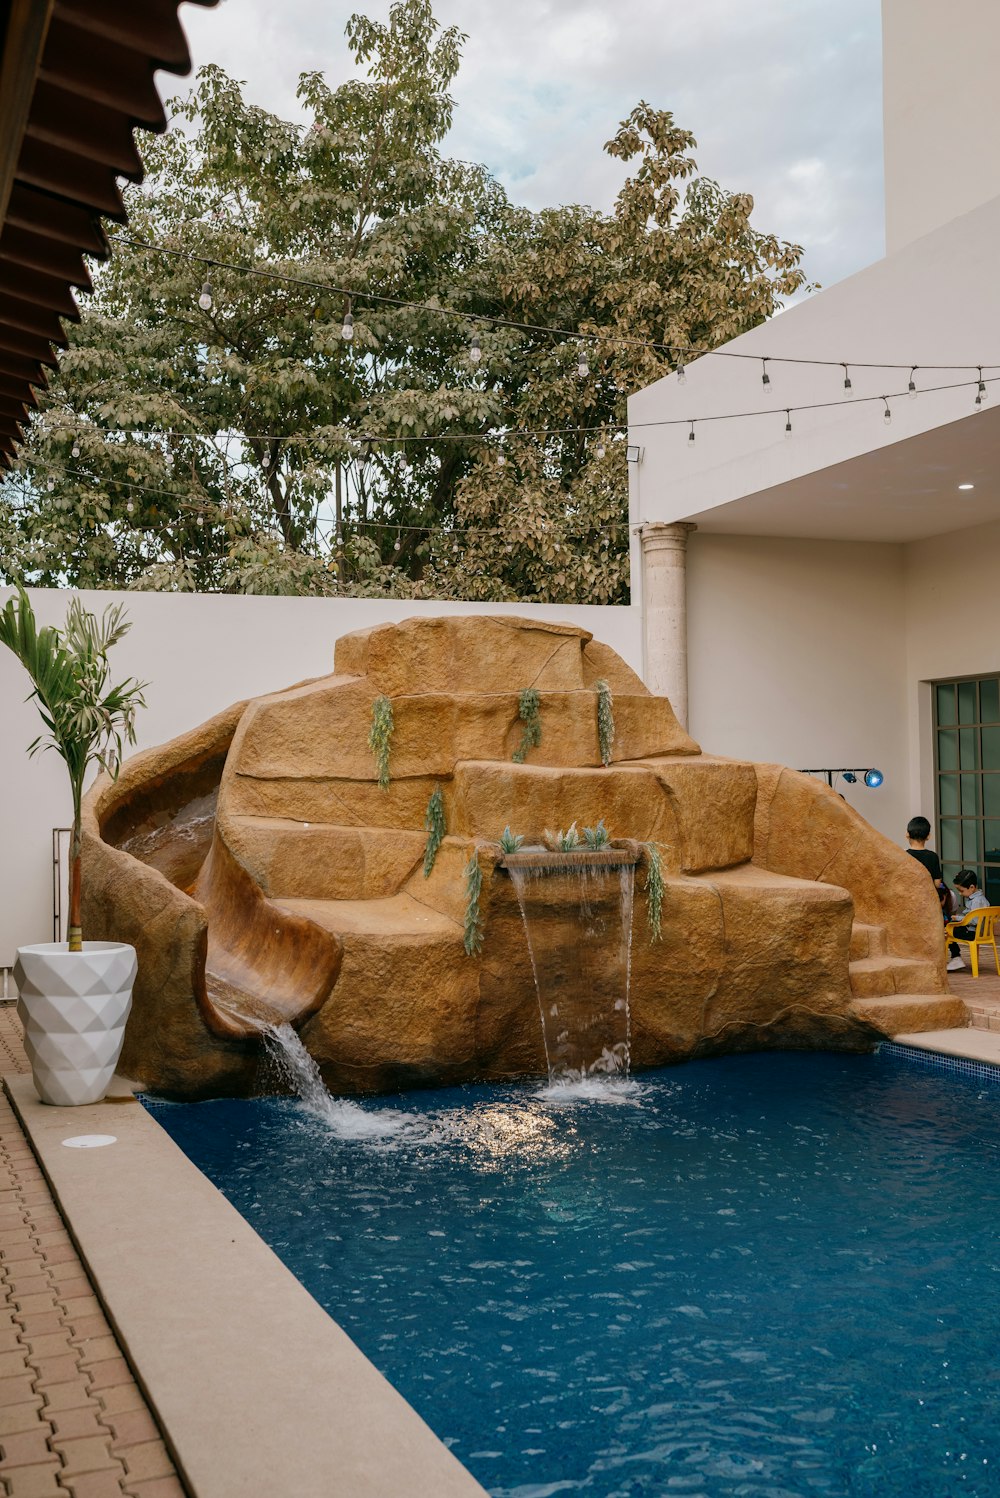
(90, 1141)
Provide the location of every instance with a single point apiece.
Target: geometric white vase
(73, 1006)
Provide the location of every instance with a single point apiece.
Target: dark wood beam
(17, 390)
(56, 170)
(32, 286)
(56, 219)
(87, 129)
(151, 27)
(23, 46)
(10, 428)
(13, 408)
(28, 318)
(16, 367)
(26, 346)
(103, 71)
(18, 247)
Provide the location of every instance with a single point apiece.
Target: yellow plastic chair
(983, 921)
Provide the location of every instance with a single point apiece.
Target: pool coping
(256, 1388)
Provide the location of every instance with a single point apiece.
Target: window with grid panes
(967, 765)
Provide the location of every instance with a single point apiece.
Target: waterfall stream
(578, 923)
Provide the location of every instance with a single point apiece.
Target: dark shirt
(930, 861)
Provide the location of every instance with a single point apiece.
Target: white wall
(199, 653)
(797, 654)
(941, 118)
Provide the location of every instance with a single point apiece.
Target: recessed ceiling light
(966, 486)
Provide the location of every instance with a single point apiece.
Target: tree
(87, 721)
(210, 428)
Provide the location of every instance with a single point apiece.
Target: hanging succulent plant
(473, 934)
(436, 826)
(654, 890)
(380, 738)
(605, 721)
(528, 705)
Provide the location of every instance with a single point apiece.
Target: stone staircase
(896, 993)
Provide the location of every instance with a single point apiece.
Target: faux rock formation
(263, 874)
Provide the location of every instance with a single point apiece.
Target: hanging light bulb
(501, 459)
(981, 393)
(600, 449)
(399, 545)
(50, 485)
(788, 423)
(886, 414)
(911, 388)
(205, 300)
(583, 364)
(847, 379)
(681, 374)
(130, 508)
(75, 450)
(475, 349)
(347, 331)
(765, 378)
(691, 434)
(199, 521)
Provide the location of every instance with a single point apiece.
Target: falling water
(578, 922)
(300, 1071)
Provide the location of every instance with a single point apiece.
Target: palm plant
(87, 723)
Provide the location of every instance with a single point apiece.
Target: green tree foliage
(267, 405)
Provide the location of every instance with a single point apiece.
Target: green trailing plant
(436, 826)
(528, 705)
(654, 890)
(380, 738)
(87, 722)
(509, 841)
(598, 837)
(473, 932)
(605, 721)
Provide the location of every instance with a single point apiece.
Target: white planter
(73, 1006)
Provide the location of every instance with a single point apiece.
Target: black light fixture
(872, 778)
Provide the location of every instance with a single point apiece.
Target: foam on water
(345, 1120)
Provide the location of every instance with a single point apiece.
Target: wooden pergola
(76, 78)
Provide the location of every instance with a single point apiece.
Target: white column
(664, 603)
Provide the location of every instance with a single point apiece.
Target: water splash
(578, 924)
(301, 1073)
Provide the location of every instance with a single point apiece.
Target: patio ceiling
(906, 491)
(76, 78)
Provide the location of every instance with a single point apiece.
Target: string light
(583, 364)
(847, 379)
(75, 450)
(691, 434)
(886, 414)
(347, 331)
(981, 391)
(600, 449)
(475, 349)
(765, 378)
(500, 322)
(788, 423)
(911, 388)
(205, 300)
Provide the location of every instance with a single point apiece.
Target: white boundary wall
(199, 652)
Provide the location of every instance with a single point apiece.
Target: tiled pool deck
(73, 1418)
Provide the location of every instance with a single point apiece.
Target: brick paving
(73, 1420)
(981, 995)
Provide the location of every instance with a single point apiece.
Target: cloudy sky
(784, 96)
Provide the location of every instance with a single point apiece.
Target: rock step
(875, 977)
(907, 1013)
(868, 941)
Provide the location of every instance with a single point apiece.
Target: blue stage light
(874, 779)
(849, 777)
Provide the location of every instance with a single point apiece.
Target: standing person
(918, 830)
(967, 884)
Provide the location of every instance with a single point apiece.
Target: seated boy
(967, 884)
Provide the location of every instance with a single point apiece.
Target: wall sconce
(633, 454)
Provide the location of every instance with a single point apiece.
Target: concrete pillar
(664, 604)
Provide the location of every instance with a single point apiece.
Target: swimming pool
(764, 1276)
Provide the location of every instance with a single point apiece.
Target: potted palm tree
(74, 996)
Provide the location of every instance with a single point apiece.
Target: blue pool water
(765, 1276)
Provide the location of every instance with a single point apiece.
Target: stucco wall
(797, 654)
(941, 120)
(199, 653)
